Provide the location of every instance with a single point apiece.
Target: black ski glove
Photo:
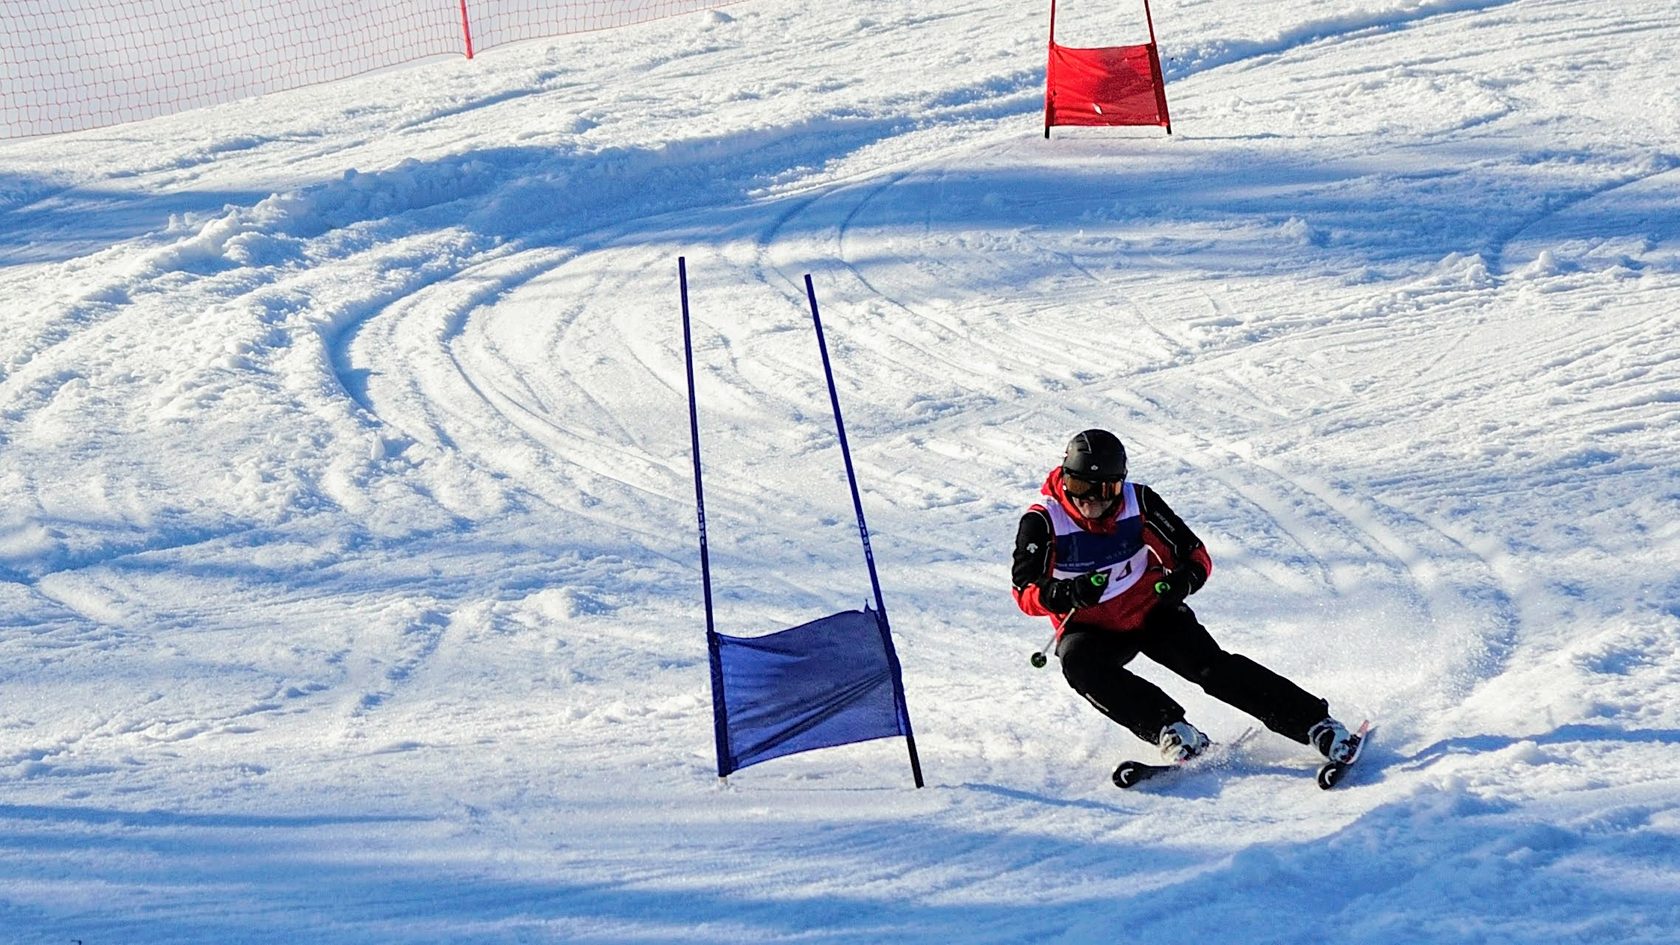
(1069, 594)
(1178, 585)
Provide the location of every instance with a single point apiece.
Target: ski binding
(1330, 773)
(1131, 773)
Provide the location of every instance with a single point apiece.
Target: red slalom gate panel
(1106, 86)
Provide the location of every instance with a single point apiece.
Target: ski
(1330, 773)
(1131, 773)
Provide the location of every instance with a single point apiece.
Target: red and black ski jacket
(1139, 541)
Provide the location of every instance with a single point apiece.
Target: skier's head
(1093, 467)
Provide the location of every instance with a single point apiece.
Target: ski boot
(1181, 741)
(1334, 741)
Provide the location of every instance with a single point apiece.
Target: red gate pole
(466, 28)
(1160, 76)
(1051, 58)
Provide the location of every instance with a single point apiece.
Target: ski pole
(1038, 659)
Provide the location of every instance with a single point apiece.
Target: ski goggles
(1089, 489)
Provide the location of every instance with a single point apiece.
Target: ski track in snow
(348, 564)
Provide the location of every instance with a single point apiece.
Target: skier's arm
(1034, 556)
(1187, 551)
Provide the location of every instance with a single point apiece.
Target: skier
(1107, 560)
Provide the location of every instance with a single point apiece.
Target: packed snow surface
(349, 574)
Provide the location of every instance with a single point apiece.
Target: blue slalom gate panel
(829, 682)
(825, 683)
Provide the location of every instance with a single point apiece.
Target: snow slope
(349, 589)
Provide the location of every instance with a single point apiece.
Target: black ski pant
(1094, 662)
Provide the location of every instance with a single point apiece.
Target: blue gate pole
(720, 718)
(868, 553)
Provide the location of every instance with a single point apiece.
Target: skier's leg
(1094, 663)
(1177, 640)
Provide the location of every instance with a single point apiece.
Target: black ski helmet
(1095, 455)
